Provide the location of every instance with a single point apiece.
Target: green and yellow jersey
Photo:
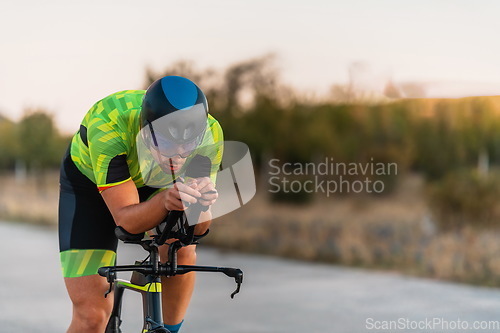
(105, 147)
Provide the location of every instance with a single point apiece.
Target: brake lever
(110, 277)
(238, 285)
(109, 290)
(239, 280)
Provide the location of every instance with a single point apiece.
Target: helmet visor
(176, 133)
(168, 148)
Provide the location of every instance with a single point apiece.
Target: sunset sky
(63, 56)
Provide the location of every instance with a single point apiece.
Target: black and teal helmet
(174, 110)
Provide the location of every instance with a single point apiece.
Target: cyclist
(104, 183)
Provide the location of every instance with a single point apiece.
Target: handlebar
(175, 220)
(176, 225)
(109, 272)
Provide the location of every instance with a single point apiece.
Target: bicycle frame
(146, 276)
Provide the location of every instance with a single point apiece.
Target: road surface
(277, 295)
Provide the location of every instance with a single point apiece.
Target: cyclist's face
(169, 163)
(172, 156)
(170, 149)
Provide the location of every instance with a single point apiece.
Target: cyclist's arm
(135, 216)
(129, 213)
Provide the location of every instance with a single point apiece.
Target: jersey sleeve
(216, 154)
(108, 154)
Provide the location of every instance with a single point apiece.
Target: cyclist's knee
(90, 309)
(89, 318)
(187, 255)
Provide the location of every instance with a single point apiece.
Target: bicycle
(146, 274)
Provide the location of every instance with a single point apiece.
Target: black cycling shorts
(87, 239)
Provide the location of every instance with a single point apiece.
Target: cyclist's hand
(179, 194)
(207, 189)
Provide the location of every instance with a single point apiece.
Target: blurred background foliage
(33, 144)
(429, 136)
(451, 143)
(447, 226)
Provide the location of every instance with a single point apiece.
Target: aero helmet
(174, 112)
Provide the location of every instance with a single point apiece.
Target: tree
(39, 140)
(8, 143)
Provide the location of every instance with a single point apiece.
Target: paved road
(277, 296)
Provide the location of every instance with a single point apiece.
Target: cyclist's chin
(170, 169)
(175, 164)
(173, 168)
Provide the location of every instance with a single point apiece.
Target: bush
(466, 198)
(293, 194)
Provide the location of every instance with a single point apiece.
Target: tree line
(437, 138)
(453, 143)
(430, 136)
(33, 143)
(433, 137)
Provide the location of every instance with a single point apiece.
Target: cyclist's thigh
(86, 227)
